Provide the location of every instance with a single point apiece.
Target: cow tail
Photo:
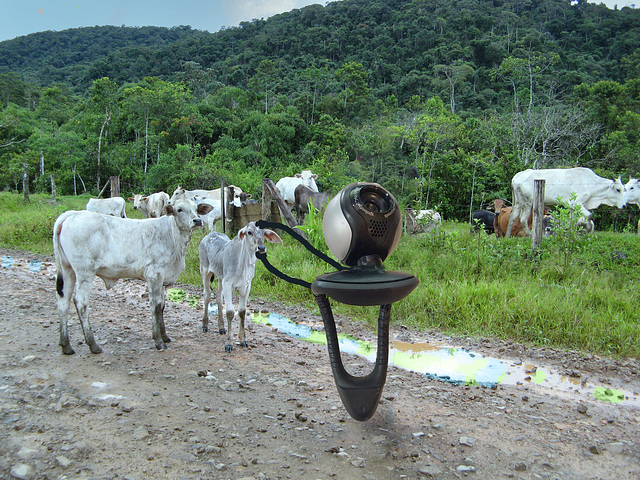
(60, 257)
(60, 285)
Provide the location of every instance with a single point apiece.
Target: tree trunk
(538, 213)
(146, 148)
(107, 117)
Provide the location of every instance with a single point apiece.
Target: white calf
(87, 244)
(234, 263)
(419, 221)
(107, 206)
(151, 206)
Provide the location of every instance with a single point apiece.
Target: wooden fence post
(227, 199)
(538, 214)
(269, 193)
(25, 181)
(115, 186)
(53, 189)
(223, 207)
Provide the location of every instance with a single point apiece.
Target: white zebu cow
(234, 263)
(422, 221)
(151, 206)
(211, 218)
(239, 197)
(87, 244)
(287, 185)
(107, 206)
(632, 194)
(591, 191)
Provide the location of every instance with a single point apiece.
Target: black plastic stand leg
(359, 395)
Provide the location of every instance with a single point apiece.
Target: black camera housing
(361, 222)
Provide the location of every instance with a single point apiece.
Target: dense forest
(440, 101)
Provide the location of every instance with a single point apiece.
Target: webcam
(362, 224)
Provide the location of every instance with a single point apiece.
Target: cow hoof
(166, 340)
(228, 348)
(95, 349)
(161, 347)
(244, 344)
(222, 331)
(205, 329)
(68, 351)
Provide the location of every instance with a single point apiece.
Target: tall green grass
(473, 285)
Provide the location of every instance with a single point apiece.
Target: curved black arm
(359, 395)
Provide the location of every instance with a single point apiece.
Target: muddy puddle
(459, 366)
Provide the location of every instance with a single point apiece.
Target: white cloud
(246, 10)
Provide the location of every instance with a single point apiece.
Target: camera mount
(362, 226)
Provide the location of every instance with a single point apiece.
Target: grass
(472, 285)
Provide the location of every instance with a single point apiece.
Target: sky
(22, 17)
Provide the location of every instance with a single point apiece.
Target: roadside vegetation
(580, 292)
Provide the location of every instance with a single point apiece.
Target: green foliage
(568, 229)
(313, 229)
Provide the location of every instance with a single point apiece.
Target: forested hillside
(441, 101)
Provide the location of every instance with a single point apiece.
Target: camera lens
(374, 201)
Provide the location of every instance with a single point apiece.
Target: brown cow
(502, 220)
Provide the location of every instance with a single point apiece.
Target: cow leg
(515, 211)
(227, 293)
(524, 220)
(206, 281)
(242, 312)
(221, 328)
(83, 293)
(156, 301)
(65, 285)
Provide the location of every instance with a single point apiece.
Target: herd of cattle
(579, 187)
(101, 241)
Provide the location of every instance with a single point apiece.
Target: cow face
(632, 191)
(255, 237)
(179, 192)
(186, 213)
(618, 193)
(137, 200)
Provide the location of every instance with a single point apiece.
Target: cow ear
(298, 175)
(169, 210)
(272, 236)
(249, 195)
(131, 199)
(315, 175)
(242, 233)
(144, 199)
(204, 208)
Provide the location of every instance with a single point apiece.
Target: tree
(157, 100)
(263, 79)
(354, 80)
(455, 73)
(104, 99)
(516, 70)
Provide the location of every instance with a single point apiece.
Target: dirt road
(272, 411)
